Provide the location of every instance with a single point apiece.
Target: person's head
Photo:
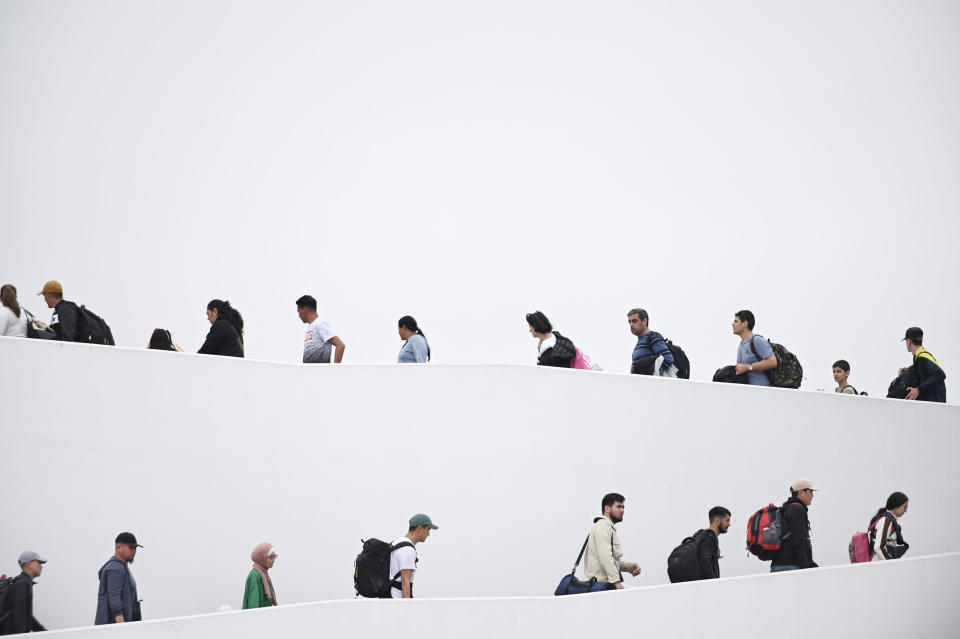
(612, 506)
(639, 321)
(219, 309)
(743, 321)
(803, 490)
(8, 297)
(407, 327)
(419, 528)
(897, 504)
(161, 340)
(264, 555)
(913, 338)
(31, 563)
(841, 371)
(307, 308)
(126, 547)
(719, 519)
(52, 293)
(540, 326)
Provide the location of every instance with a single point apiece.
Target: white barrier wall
(907, 598)
(203, 457)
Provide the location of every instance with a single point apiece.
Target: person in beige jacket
(604, 554)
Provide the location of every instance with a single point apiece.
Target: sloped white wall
(850, 601)
(203, 457)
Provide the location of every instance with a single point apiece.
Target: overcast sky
(466, 163)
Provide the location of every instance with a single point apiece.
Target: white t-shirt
(12, 325)
(316, 347)
(402, 559)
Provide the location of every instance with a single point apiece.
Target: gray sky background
(466, 163)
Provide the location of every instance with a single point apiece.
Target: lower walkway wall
(907, 598)
(204, 457)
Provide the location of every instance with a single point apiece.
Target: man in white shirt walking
(321, 338)
(403, 556)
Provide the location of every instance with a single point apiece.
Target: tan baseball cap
(53, 286)
(803, 484)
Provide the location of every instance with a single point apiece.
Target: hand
(742, 368)
(899, 372)
(619, 585)
(636, 571)
(913, 393)
(118, 619)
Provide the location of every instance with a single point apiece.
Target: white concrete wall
(908, 598)
(203, 457)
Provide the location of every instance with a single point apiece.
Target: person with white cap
(117, 600)
(17, 614)
(259, 592)
(796, 551)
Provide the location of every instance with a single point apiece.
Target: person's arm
(405, 575)
(20, 616)
(932, 374)
(602, 541)
(114, 593)
(211, 345)
(763, 365)
(419, 348)
(68, 317)
(882, 538)
(659, 348)
(705, 550)
(338, 347)
(800, 529)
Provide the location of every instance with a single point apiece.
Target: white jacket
(604, 554)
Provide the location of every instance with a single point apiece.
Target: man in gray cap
(796, 551)
(117, 598)
(17, 614)
(403, 556)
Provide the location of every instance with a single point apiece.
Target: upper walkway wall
(203, 457)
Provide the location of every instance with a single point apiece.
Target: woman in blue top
(415, 347)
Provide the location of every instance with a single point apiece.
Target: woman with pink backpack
(886, 537)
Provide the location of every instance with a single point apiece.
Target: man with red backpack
(796, 551)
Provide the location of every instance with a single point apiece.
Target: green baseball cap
(422, 520)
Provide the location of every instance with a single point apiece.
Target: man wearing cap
(403, 556)
(796, 551)
(17, 614)
(117, 598)
(931, 386)
(66, 315)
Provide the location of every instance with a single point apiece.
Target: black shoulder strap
(583, 549)
(754, 348)
(402, 544)
(855, 391)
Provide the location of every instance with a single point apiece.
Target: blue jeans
(782, 568)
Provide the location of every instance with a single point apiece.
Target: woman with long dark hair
(416, 349)
(553, 349)
(13, 319)
(226, 330)
(886, 537)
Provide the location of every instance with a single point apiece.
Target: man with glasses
(796, 551)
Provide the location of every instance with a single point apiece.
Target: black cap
(127, 538)
(912, 332)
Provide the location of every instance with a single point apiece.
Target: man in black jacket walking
(17, 613)
(708, 545)
(796, 551)
(930, 377)
(66, 315)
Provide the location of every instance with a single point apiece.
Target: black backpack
(371, 569)
(644, 365)
(788, 373)
(907, 379)
(683, 564)
(5, 610)
(91, 328)
(728, 374)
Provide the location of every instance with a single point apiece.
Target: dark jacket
(117, 594)
(66, 321)
(931, 378)
(708, 554)
(795, 546)
(560, 354)
(18, 608)
(223, 339)
(649, 347)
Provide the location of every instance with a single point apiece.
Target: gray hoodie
(117, 594)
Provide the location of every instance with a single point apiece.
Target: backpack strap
(403, 544)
